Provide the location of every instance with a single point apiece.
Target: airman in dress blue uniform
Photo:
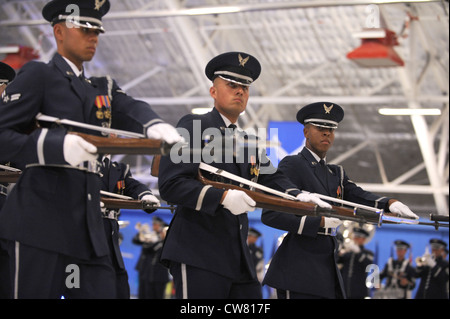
(52, 218)
(117, 179)
(7, 74)
(304, 266)
(205, 246)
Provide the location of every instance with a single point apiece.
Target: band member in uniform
(399, 274)
(153, 276)
(117, 179)
(304, 266)
(354, 259)
(52, 217)
(256, 252)
(7, 74)
(432, 269)
(205, 246)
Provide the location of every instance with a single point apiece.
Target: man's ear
(212, 92)
(58, 31)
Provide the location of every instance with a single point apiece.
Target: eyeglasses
(3, 82)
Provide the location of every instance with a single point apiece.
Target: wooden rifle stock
(116, 145)
(9, 177)
(115, 203)
(291, 206)
(155, 165)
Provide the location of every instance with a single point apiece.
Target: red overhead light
(377, 49)
(19, 56)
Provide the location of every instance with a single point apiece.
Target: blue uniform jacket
(305, 262)
(202, 233)
(53, 205)
(119, 180)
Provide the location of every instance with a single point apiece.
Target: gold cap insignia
(327, 108)
(242, 61)
(98, 4)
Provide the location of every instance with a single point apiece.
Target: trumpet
(424, 260)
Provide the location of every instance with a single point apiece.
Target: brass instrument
(346, 231)
(423, 260)
(146, 235)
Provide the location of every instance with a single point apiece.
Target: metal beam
(141, 78)
(297, 100)
(404, 189)
(411, 89)
(215, 10)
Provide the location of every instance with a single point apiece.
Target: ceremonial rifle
(10, 175)
(134, 143)
(117, 201)
(289, 204)
(438, 221)
(131, 146)
(296, 207)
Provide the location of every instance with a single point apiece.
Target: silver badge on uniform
(10, 98)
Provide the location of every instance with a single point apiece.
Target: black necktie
(233, 130)
(106, 162)
(84, 84)
(106, 171)
(324, 171)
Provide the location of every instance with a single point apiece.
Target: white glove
(164, 131)
(429, 260)
(331, 222)
(77, 150)
(310, 198)
(352, 247)
(102, 207)
(238, 202)
(151, 199)
(403, 210)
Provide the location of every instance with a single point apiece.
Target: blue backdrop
(381, 244)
